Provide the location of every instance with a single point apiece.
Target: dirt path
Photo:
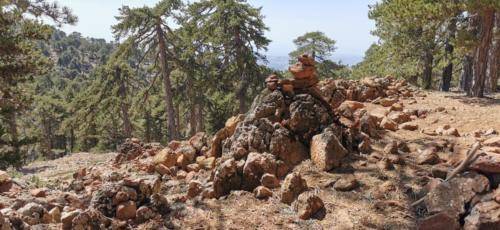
(64, 167)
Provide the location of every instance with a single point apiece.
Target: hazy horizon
(344, 21)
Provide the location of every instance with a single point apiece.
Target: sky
(345, 21)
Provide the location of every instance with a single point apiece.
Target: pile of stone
(467, 198)
(287, 124)
(470, 200)
(347, 97)
(184, 156)
(385, 89)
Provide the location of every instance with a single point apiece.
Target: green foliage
(316, 44)
(20, 61)
(414, 36)
(321, 48)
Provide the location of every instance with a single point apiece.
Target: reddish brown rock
(256, 165)
(388, 124)
(292, 187)
(126, 210)
(4, 177)
(408, 126)
(399, 117)
(442, 221)
(194, 188)
(308, 205)
(391, 148)
(162, 169)
(485, 215)
(387, 102)
(39, 192)
(144, 214)
(345, 184)
(365, 146)
(165, 157)
(67, 218)
(55, 214)
(428, 156)
(262, 192)
(487, 163)
(327, 151)
(451, 196)
(270, 181)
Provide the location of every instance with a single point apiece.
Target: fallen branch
(469, 159)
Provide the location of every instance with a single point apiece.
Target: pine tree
(147, 26)
(21, 60)
(236, 30)
(321, 48)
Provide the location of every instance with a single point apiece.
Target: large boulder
(166, 157)
(224, 133)
(307, 117)
(198, 141)
(326, 150)
(286, 148)
(226, 178)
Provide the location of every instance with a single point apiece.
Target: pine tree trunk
(481, 58)
(448, 69)
(46, 142)
(243, 86)
(192, 121)
(467, 74)
(71, 139)
(192, 111)
(178, 120)
(127, 125)
(495, 59)
(242, 92)
(14, 137)
(147, 129)
(427, 73)
(167, 85)
(200, 125)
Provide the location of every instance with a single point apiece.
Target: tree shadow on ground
(483, 102)
(33, 170)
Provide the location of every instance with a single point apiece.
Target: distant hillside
(282, 62)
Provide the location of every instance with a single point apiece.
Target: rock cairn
(285, 123)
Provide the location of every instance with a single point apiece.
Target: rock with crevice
(452, 196)
(485, 215)
(292, 187)
(327, 151)
(308, 205)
